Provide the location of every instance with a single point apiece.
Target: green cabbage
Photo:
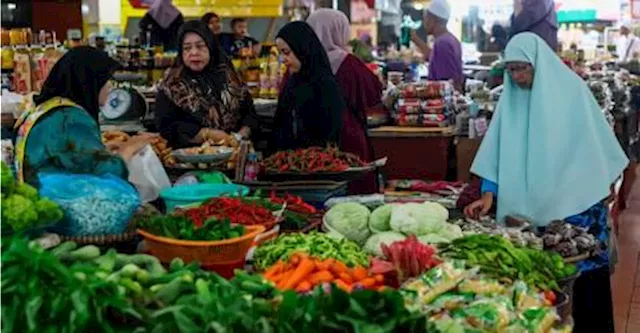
(351, 220)
(380, 218)
(432, 239)
(450, 231)
(418, 218)
(374, 243)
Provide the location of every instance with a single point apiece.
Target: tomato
(550, 296)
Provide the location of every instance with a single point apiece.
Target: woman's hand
(209, 134)
(480, 207)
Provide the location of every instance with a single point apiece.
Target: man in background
(628, 44)
(537, 16)
(239, 39)
(445, 58)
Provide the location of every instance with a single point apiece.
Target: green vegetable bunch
(22, 207)
(499, 258)
(315, 244)
(181, 227)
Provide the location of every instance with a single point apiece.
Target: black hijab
(79, 75)
(210, 78)
(313, 91)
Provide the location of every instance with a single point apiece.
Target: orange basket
(227, 250)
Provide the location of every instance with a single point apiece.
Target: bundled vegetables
(568, 240)
(314, 159)
(499, 258)
(407, 258)
(315, 244)
(22, 207)
(303, 273)
(181, 227)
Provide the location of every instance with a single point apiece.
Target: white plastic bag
(147, 174)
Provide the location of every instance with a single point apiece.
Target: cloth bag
(147, 174)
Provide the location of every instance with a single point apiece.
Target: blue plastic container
(192, 194)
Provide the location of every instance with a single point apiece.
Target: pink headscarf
(334, 32)
(163, 12)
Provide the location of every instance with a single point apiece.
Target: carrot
(282, 276)
(343, 285)
(304, 286)
(275, 269)
(323, 265)
(296, 258)
(346, 278)
(379, 278)
(338, 267)
(367, 283)
(305, 268)
(321, 277)
(359, 273)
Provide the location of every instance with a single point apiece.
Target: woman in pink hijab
(161, 24)
(361, 89)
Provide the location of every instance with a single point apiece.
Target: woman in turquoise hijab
(552, 155)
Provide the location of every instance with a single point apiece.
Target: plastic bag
(147, 174)
(93, 205)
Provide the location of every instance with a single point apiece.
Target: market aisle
(625, 282)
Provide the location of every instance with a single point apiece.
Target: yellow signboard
(197, 8)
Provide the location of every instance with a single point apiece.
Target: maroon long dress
(362, 91)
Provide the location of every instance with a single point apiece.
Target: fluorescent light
(11, 6)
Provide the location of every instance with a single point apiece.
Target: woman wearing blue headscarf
(553, 156)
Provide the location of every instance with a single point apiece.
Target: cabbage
(432, 239)
(374, 243)
(450, 231)
(380, 218)
(417, 219)
(351, 220)
(440, 209)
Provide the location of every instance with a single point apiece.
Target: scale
(125, 108)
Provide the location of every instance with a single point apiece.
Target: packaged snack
(492, 315)
(538, 320)
(481, 287)
(450, 301)
(525, 297)
(438, 280)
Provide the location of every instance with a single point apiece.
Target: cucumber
(86, 253)
(129, 270)
(107, 262)
(170, 291)
(176, 264)
(64, 248)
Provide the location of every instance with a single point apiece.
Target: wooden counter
(414, 152)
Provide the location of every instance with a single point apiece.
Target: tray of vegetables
(315, 163)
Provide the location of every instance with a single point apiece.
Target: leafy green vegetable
(380, 218)
(8, 182)
(180, 227)
(351, 220)
(20, 213)
(418, 218)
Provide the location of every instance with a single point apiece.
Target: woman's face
(290, 59)
(214, 25)
(195, 52)
(104, 94)
(521, 73)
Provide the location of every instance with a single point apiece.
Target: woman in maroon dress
(361, 89)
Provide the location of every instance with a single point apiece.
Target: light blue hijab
(549, 149)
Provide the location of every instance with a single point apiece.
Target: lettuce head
(418, 218)
(380, 218)
(351, 220)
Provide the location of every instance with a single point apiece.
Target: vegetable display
(22, 207)
(407, 259)
(350, 220)
(314, 244)
(303, 273)
(236, 210)
(459, 300)
(489, 226)
(314, 159)
(181, 227)
(568, 240)
(497, 257)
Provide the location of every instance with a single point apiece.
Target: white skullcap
(440, 8)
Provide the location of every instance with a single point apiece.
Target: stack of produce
(236, 210)
(158, 143)
(424, 104)
(314, 159)
(213, 147)
(315, 244)
(181, 227)
(498, 258)
(488, 226)
(568, 240)
(23, 208)
(304, 273)
(458, 300)
(405, 259)
(390, 223)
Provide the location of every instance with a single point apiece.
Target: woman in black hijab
(202, 98)
(62, 134)
(310, 105)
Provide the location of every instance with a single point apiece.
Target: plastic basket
(228, 250)
(185, 195)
